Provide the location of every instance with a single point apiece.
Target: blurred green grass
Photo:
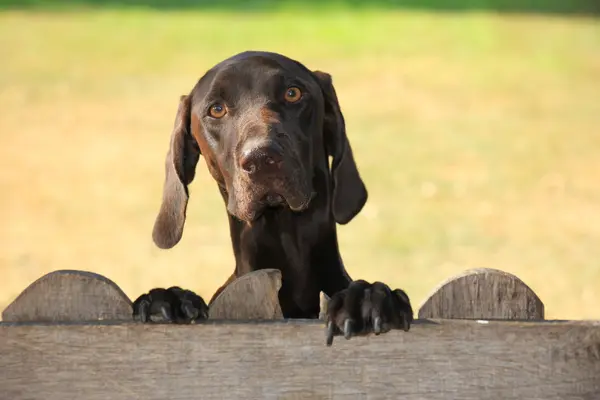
(576, 7)
(477, 133)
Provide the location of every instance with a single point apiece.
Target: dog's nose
(263, 159)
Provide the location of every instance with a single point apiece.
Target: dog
(267, 126)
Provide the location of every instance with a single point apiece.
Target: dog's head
(264, 125)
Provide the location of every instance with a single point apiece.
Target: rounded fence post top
(483, 293)
(69, 295)
(254, 295)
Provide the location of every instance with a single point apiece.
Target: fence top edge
(308, 322)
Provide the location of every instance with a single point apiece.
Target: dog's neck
(302, 245)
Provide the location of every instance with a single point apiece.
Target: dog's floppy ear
(180, 167)
(349, 191)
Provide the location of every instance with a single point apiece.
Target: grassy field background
(478, 135)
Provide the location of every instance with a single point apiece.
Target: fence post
(483, 294)
(254, 295)
(71, 296)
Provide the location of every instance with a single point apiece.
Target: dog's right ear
(180, 168)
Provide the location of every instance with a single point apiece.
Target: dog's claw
(405, 324)
(189, 310)
(166, 312)
(377, 325)
(329, 333)
(348, 329)
(144, 310)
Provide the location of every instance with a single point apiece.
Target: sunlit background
(476, 125)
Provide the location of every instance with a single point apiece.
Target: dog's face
(256, 120)
(264, 124)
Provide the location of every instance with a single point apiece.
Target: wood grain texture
(289, 360)
(69, 295)
(253, 296)
(483, 294)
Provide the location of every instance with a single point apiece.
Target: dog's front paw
(365, 308)
(174, 305)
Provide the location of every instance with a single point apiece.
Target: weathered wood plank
(289, 360)
(70, 295)
(253, 296)
(483, 294)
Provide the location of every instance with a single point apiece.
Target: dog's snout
(261, 159)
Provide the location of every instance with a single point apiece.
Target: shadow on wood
(483, 294)
(68, 295)
(252, 296)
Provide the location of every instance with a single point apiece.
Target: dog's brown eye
(293, 94)
(217, 110)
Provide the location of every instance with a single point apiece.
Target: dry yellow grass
(478, 137)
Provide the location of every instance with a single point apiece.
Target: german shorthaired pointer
(266, 127)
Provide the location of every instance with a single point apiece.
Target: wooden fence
(480, 335)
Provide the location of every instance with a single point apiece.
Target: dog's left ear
(349, 191)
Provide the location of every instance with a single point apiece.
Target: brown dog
(266, 127)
